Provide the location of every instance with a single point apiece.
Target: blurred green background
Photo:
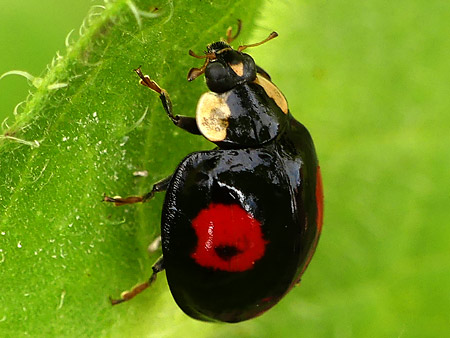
(31, 32)
(371, 82)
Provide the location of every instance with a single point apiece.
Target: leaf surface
(88, 126)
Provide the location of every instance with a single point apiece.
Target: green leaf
(88, 126)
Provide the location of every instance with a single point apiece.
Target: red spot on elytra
(228, 238)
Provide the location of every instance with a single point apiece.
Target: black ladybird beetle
(240, 223)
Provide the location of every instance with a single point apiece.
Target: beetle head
(225, 67)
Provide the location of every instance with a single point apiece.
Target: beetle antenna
(206, 56)
(270, 37)
(230, 38)
(196, 72)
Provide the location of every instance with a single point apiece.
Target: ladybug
(240, 223)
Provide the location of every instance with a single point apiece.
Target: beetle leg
(184, 122)
(127, 295)
(157, 187)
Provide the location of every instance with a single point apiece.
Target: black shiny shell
(276, 184)
(255, 118)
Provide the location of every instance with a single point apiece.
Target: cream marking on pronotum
(273, 92)
(212, 116)
(238, 68)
